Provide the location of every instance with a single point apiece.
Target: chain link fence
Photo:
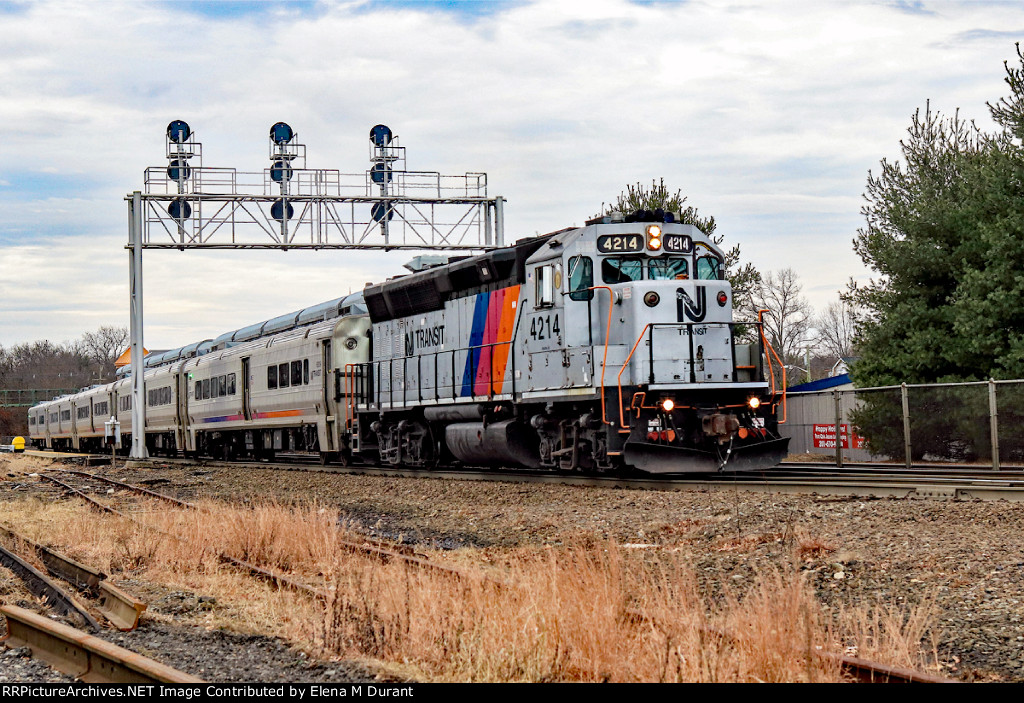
(958, 423)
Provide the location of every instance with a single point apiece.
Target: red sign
(825, 437)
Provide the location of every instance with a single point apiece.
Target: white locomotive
(589, 349)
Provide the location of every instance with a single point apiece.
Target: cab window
(709, 268)
(668, 268)
(581, 278)
(545, 292)
(622, 269)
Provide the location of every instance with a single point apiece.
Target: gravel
(966, 557)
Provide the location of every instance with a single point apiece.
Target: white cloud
(767, 117)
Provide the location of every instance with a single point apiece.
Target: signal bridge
(289, 206)
(185, 205)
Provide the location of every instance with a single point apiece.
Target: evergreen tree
(944, 231)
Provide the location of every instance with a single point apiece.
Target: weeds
(590, 612)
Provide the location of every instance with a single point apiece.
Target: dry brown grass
(811, 546)
(593, 612)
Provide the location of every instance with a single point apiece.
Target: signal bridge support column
(138, 396)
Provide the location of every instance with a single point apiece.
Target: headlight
(754, 403)
(668, 404)
(653, 237)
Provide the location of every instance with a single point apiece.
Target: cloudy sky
(768, 115)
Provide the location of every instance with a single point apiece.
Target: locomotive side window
(622, 269)
(296, 373)
(709, 268)
(271, 377)
(282, 375)
(668, 268)
(581, 278)
(545, 293)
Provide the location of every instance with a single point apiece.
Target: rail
(87, 658)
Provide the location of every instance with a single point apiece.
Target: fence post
(906, 424)
(839, 437)
(993, 419)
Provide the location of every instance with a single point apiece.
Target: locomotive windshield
(668, 268)
(709, 268)
(624, 269)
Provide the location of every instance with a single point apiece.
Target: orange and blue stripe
(494, 318)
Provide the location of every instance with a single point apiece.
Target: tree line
(44, 365)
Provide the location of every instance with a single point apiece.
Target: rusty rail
(83, 656)
(369, 550)
(120, 608)
(42, 587)
(263, 574)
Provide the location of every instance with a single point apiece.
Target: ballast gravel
(967, 557)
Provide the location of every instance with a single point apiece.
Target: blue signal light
(281, 133)
(278, 210)
(178, 131)
(280, 171)
(179, 209)
(178, 170)
(378, 211)
(380, 135)
(380, 173)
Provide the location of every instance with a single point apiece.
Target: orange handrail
(771, 371)
(618, 379)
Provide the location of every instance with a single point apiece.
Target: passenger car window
(271, 377)
(305, 370)
(622, 269)
(206, 389)
(231, 384)
(581, 278)
(296, 373)
(282, 375)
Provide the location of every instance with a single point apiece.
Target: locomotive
(591, 349)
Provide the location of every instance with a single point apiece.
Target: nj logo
(688, 309)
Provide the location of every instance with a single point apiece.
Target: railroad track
(857, 669)
(864, 480)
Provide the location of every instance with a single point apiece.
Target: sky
(767, 115)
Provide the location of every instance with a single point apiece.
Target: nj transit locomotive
(589, 349)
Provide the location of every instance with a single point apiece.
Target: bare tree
(104, 346)
(835, 327)
(788, 316)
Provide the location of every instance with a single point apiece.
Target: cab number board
(678, 243)
(620, 243)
